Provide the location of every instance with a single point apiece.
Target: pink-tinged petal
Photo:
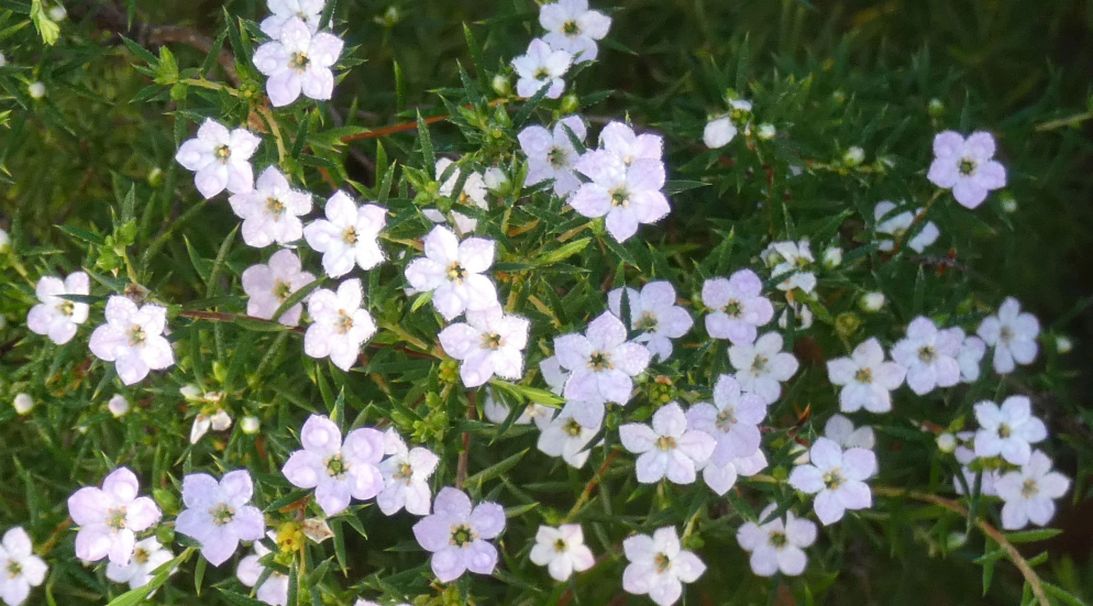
(688, 567)
(948, 144)
(840, 371)
(669, 420)
(284, 87)
(826, 453)
(218, 547)
(93, 543)
(237, 487)
(859, 463)
(990, 175)
(303, 469)
(680, 469)
(453, 503)
(488, 520)
(448, 564)
(921, 378)
(612, 386)
(121, 548)
(321, 436)
(573, 351)
(605, 333)
(591, 200)
(481, 557)
(425, 274)
(433, 532)
(364, 446)
(194, 155)
(142, 514)
(317, 83)
(637, 437)
(249, 525)
(325, 49)
(622, 223)
(271, 58)
(666, 592)
(333, 496)
(791, 561)
(89, 505)
(980, 145)
(807, 478)
(631, 358)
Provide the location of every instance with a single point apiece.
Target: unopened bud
(250, 425)
(36, 90)
(23, 403)
(872, 302)
(854, 156)
(832, 257)
(118, 405)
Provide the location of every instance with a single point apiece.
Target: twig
(586, 494)
(465, 454)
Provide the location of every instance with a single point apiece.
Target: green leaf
(47, 28)
(497, 469)
(426, 141)
(534, 394)
(563, 252)
(1032, 536)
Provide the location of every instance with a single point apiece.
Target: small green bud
(935, 108)
(853, 156)
(501, 85)
(847, 323)
(166, 500)
(570, 104)
(155, 177)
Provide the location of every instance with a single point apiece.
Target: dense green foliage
(88, 179)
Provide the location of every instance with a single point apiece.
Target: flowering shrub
(534, 341)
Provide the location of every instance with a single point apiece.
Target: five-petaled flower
(55, 316)
(836, 477)
(348, 235)
(732, 420)
(283, 11)
(110, 517)
(654, 315)
(966, 166)
(867, 380)
(340, 325)
(929, 355)
(601, 362)
(541, 66)
(1007, 430)
(568, 434)
(669, 449)
(574, 28)
(219, 158)
(271, 211)
(562, 551)
(406, 472)
(148, 555)
(133, 339)
(659, 566)
(20, 569)
(489, 343)
(777, 544)
(453, 270)
(218, 514)
(761, 367)
(737, 306)
(268, 286)
(1030, 492)
(337, 471)
(1013, 334)
(458, 535)
(552, 155)
(298, 61)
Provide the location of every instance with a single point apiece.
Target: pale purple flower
(348, 236)
(619, 140)
(337, 471)
(21, 568)
(761, 367)
(654, 314)
(148, 555)
(721, 477)
(490, 343)
(601, 362)
(574, 28)
(406, 474)
(220, 158)
(732, 420)
(659, 566)
(792, 262)
(867, 380)
(896, 226)
(340, 325)
(568, 434)
(1007, 430)
(283, 11)
(110, 517)
(218, 514)
(298, 61)
(929, 355)
(562, 551)
(453, 270)
(1012, 333)
(737, 306)
(966, 166)
(269, 285)
(273, 589)
(970, 357)
(669, 449)
(541, 66)
(777, 545)
(551, 154)
(271, 211)
(626, 194)
(458, 536)
(841, 430)
(1030, 492)
(54, 316)
(836, 477)
(133, 339)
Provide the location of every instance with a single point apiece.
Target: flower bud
(390, 18)
(1009, 203)
(5, 241)
(935, 108)
(23, 403)
(718, 132)
(155, 177)
(3, 60)
(58, 13)
(36, 90)
(853, 156)
(118, 405)
(832, 257)
(250, 425)
(501, 85)
(1063, 344)
(570, 104)
(766, 131)
(847, 323)
(871, 302)
(946, 442)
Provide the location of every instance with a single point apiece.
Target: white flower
(452, 270)
(737, 306)
(1029, 493)
(659, 566)
(268, 286)
(22, 403)
(337, 471)
(1007, 430)
(1012, 334)
(721, 477)
(218, 514)
(969, 358)
(966, 166)
(22, 569)
(719, 132)
(498, 412)
(763, 366)
(732, 420)
(54, 316)
(553, 374)
(283, 11)
(777, 545)
(148, 555)
(601, 361)
(929, 355)
(273, 589)
(836, 478)
(133, 339)
(840, 430)
(489, 343)
(562, 551)
(298, 61)
(473, 193)
(458, 536)
(406, 475)
(541, 66)
(348, 236)
(220, 158)
(867, 379)
(965, 455)
(271, 211)
(669, 449)
(620, 141)
(896, 226)
(574, 28)
(569, 433)
(118, 405)
(654, 313)
(627, 195)
(109, 517)
(216, 419)
(792, 262)
(339, 324)
(551, 154)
